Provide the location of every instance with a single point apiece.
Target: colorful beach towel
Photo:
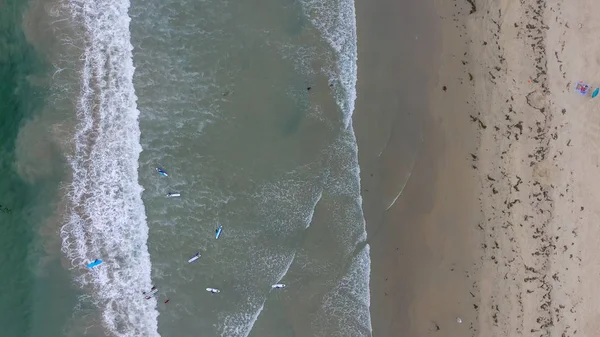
(582, 88)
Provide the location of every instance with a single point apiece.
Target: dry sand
(537, 165)
(498, 219)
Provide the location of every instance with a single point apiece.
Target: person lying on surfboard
(153, 292)
(161, 172)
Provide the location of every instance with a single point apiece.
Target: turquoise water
(18, 101)
(34, 300)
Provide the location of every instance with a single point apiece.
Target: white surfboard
(213, 290)
(194, 258)
(173, 195)
(278, 286)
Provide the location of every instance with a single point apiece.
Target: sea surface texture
(247, 105)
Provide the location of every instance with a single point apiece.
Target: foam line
(106, 217)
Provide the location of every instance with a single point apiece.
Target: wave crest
(106, 217)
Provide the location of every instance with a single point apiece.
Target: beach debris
(595, 93)
(278, 286)
(218, 232)
(173, 195)
(213, 290)
(94, 263)
(458, 320)
(473, 6)
(582, 88)
(161, 172)
(194, 258)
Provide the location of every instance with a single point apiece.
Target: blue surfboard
(595, 93)
(161, 172)
(218, 231)
(94, 263)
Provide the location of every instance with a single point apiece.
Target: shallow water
(226, 109)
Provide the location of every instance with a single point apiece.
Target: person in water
(151, 290)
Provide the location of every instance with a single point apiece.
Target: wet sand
(418, 198)
(497, 221)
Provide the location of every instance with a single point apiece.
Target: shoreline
(402, 149)
(496, 224)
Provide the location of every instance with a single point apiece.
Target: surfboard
(194, 258)
(218, 231)
(94, 263)
(278, 286)
(582, 88)
(161, 172)
(150, 294)
(213, 290)
(172, 195)
(595, 93)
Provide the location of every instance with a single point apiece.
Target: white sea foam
(107, 218)
(336, 20)
(345, 308)
(240, 324)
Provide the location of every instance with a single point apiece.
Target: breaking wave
(106, 217)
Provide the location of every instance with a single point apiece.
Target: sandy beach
(496, 218)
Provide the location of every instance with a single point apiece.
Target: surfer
(278, 286)
(161, 172)
(218, 232)
(172, 195)
(94, 263)
(213, 290)
(152, 292)
(194, 258)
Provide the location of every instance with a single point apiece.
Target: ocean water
(247, 105)
(17, 280)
